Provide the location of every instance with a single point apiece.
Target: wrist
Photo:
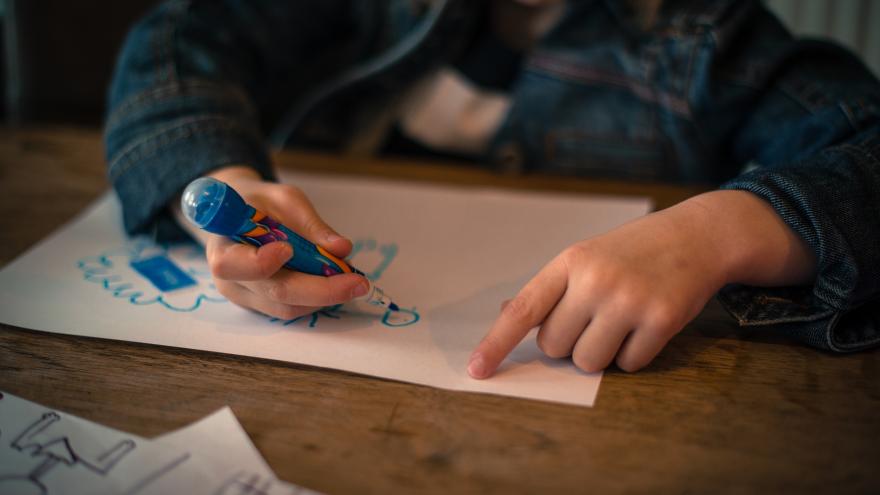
(750, 241)
(232, 174)
(702, 248)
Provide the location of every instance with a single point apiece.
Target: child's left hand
(621, 296)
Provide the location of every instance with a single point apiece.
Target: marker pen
(214, 206)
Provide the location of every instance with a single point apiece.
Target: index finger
(236, 261)
(522, 313)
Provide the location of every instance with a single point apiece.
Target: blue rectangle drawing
(163, 273)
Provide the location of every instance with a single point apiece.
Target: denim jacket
(713, 92)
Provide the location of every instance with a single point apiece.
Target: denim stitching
(741, 310)
(167, 140)
(847, 110)
(172, 90)
(578, 73)
(823, 288)
(166, 68)
(169, 134)
(833, 331)
(866, 149)
(643, 169)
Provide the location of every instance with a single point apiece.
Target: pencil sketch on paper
(46, 439)
(158, 473)
(177, 277)
(245, 483)
(43, 451)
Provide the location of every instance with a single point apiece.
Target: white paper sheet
(449, 256)
(44, 451)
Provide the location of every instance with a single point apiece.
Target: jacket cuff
(839, 311)
(796, 313)
(151, 172)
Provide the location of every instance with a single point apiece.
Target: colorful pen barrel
(216, 207)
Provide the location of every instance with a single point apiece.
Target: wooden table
(720, 410)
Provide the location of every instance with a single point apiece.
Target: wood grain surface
(721, 410)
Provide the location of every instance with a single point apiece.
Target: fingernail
(330, 237)
(286, 253)
(360, 289)
(476, 366)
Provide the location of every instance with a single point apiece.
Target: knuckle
(625, 302)
(226, 290)
(664, 317)
(288, 191)
(572, 255)
(597, 281)
(550, 346)
(313, 225)
(334, 293)
(325, 294)
(219, 267)
(519, 309)
(628, 302)
(631, 364)
(288, 312)
(277, 292)
(587, 362)
(265, 267)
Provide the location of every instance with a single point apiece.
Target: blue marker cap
(204, 198)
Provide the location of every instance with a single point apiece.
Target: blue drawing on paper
(177, 278)
(369, 249)
(328, 312)
(172, 276)
(403, 318)
(373, 259)
(163, 273)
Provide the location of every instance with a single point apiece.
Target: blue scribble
(112, 270)
(387, 252)
(358, 257)
(401, 318)
(359, 245)
(329, 312)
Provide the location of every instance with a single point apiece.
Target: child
(690, 91)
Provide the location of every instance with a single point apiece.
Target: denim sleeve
(810, 129)
(192, 84)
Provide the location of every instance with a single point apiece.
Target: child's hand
(252, 277)
(622, 295)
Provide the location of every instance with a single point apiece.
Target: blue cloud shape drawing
(177, 277)
(143, 273)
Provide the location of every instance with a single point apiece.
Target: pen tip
(393, 307)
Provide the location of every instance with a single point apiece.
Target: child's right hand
(252, 277)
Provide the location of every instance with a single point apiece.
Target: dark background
(59, 54)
